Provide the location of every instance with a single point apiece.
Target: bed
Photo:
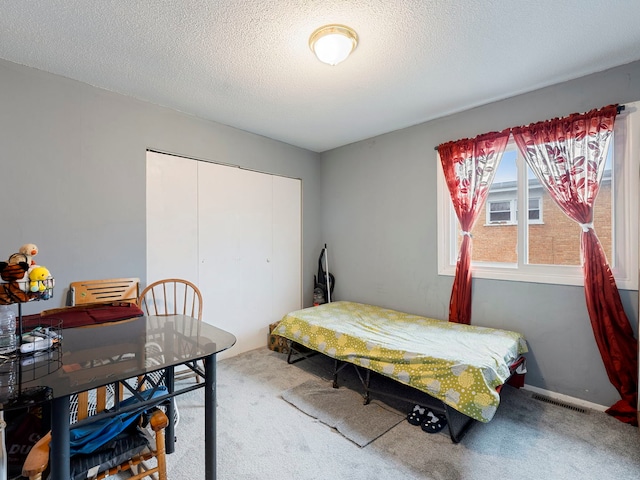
(462, 366)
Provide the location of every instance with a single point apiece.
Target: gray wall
(73, 174)
(379, 221)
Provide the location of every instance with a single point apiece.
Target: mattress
(461, 365)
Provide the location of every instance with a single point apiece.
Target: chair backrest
(105, 291)
(171, 296)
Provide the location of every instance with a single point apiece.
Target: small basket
(21, 291)
(38, 363)
(19, 368)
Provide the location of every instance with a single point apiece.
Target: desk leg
(3, 449)
(171, 428)
(60, 438)
(210, 417)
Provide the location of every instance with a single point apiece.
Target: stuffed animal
(15, 269)
(37, 278)
(17, 258)
(30, 250)
(11, 292)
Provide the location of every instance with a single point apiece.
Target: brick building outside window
(554, 239)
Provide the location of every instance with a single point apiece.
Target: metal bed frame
(458, 423)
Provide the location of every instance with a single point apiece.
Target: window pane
(500, 217)
(500, 206)
(495, 234)
(556, 241)
(603, 211)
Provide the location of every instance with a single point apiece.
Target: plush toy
(11, 292)
(15, 269)
(30, 250)
(37, 276)
(17, 258)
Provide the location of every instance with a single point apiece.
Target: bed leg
(365, 381)
(290, 352)
(457, 431)
(367, 393)
(335, 374)
(302, 355)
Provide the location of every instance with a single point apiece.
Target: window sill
(571, 276)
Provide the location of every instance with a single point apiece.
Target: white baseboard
(565, 398)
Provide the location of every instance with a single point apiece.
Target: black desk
(98, 355)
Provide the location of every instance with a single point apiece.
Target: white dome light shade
(333, 43)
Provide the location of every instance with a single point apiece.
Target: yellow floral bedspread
(459, 364)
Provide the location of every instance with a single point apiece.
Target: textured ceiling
(246, 63)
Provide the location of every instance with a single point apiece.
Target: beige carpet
(343, 410)
(262, 437)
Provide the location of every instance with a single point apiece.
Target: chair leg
(161, 456)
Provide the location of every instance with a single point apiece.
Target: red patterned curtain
(568, 156)
(469, 166)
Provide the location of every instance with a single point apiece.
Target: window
(542, 244)
(501, 211)
(534, 210)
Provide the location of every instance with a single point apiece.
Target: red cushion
(91, 315)
(115, 312)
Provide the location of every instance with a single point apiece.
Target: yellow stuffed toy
(37, 276)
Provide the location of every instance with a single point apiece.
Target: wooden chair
(174, 296)
(38, 457)
(90, 293)
(86, 294)
(105, 291)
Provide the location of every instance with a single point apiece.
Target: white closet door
(235, 233)
(255, 266)
(218, 257)
(172, 218)
(235, 250)
(287, 246)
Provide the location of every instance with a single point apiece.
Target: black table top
(97, 355)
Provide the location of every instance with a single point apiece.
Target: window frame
(625, 188)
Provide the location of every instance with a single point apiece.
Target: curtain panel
(568, 157)
(469, 166)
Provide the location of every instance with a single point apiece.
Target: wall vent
(558, 403)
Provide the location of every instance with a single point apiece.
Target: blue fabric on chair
(88, 438)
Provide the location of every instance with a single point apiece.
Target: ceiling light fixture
(333, 43)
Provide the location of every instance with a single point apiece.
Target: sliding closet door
(235, 233)
(235, 249)
(287, 246)
(172, 218)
